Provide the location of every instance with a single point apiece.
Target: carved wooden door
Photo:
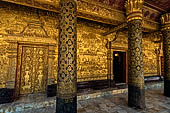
(32, 69)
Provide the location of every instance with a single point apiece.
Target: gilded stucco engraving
(4, 61)
(92, 53)
(19, 23)
(149, 53)
(33, 69)
(121, 41)
(27, 22)
(94, 10)
(150, 57)
(25, 25)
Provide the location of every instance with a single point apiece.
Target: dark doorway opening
(119, 66)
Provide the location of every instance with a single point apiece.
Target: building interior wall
(20, 24)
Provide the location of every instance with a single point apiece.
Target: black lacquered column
(136, 91)
(166, 51)
(66, 101)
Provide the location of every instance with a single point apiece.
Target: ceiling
(117, 4)
(161, 5)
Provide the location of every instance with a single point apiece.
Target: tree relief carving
(23, 21)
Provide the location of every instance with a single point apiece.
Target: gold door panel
(33, 69)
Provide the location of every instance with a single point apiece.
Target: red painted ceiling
(160, 4)
(117, 4)
(157, 4)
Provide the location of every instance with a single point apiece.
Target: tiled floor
(155, 103)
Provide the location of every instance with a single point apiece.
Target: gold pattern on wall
(92, 53)
(26, 25)
(92, 10)
(19, 23)
(33, 69)
(150, 57)
(149, 53)
(4, 61)
(27, 22)
(55, 65)
(121, 42)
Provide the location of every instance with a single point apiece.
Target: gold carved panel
(27, 22)
(150, 57)
(24, 25)
(30, 25)
(4, 62)
(91, 53)
(32, 68)
(93, 10)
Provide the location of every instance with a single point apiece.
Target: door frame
(18, 65)
(126, 52)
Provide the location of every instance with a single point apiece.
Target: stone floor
(106, 101)
(155, 103)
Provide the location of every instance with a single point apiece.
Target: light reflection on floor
(155, 103)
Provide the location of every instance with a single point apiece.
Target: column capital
(134, 9)
(165, 21)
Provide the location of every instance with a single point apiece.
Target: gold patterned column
(136, 92)
(67, 55)
(165, 20)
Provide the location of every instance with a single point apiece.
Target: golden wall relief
(149, 53)
(121, 42)
(23, 21)
(91, 53)
(4, 61)
(94, 10)
(26, 25)
(150, 57)
(55, 66)
(32, 69)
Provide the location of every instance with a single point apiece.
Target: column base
(6, 95)
(167, 88)
(66, 105)
(136, 97)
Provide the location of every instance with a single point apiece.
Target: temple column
(165, 20)
(136, 91)
(66, 101)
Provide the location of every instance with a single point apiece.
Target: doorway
(32, 69)
(119, 66)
